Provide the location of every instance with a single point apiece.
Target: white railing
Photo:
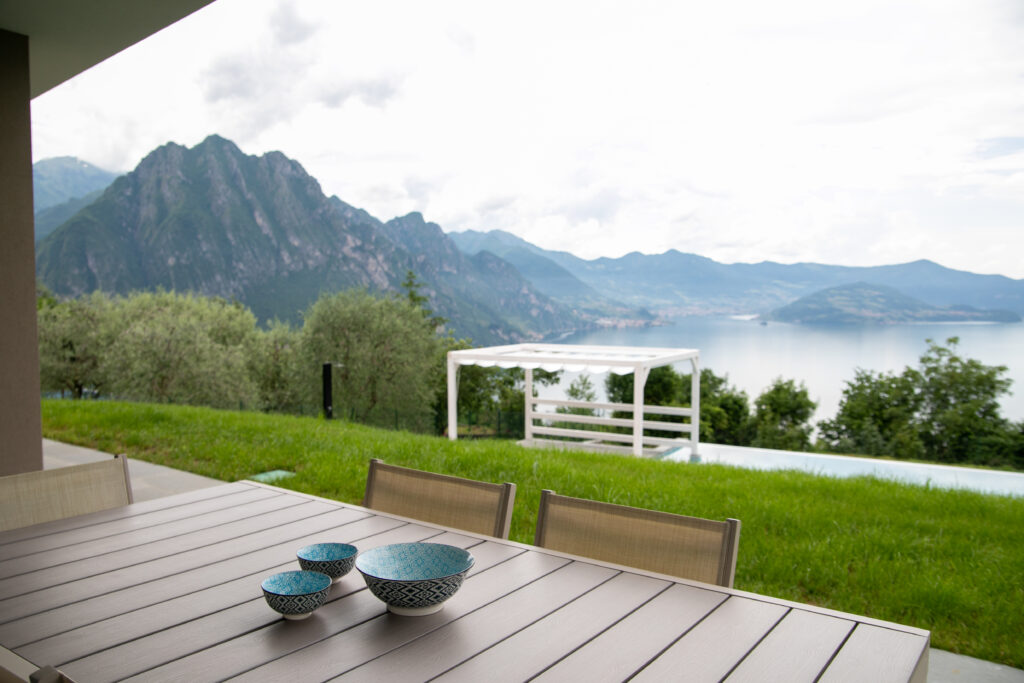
(541, 423)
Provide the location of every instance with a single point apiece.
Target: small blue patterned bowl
(296, 594)
(414, 578)
(333, 559)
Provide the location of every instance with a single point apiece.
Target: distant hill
(213, 220)
(676, 283)
(546, 275)
(50, 219)
(56, 180)
(861, 303)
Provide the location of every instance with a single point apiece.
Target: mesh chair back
(49, 675)
(476, 506)
(46, 495)
(687, 547)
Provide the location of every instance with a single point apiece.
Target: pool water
(939, 476)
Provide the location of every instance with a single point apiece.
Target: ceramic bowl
(333, 559)
(414, 578)
(296, 595)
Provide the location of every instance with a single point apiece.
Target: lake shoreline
(824, 358)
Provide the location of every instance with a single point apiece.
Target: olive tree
(181, 348)
(275, 366)
(74, 339)
(384, 356)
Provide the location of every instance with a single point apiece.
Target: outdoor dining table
(169, 589)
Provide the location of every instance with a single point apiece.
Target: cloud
(495, 204)
(232, 78)
(375, 92)
(420, 189)
(601, 205)
(288, 27)
(462, 39)
(997, 147)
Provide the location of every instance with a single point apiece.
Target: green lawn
(951, 562)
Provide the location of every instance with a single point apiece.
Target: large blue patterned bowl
(333, 559)
(414, 578)
(296, 594)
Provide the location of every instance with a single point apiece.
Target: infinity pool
(941, 476)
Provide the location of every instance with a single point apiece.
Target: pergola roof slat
(572, 357)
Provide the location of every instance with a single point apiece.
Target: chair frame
(26, 487)
(505, 493)
(729, 529)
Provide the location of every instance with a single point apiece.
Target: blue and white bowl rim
(298, 582)
(467, 561)
(347, 550)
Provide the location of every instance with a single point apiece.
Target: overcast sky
(854, 133)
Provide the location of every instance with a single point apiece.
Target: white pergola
(622, 360)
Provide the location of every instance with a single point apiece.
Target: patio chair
(49, 675)
(476, 506)
(687, 547)
(46, 495)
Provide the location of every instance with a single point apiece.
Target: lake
(823, 358)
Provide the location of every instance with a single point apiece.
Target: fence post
(328, 392)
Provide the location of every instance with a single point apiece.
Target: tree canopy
(390, 370)
(383, 352)
(946, 410)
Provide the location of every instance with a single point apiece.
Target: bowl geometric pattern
(297, 592)
(333, 559)
(414, 593)
(414, 575)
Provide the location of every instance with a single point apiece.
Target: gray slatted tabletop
(168, 590)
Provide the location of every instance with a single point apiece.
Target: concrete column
(21, 448)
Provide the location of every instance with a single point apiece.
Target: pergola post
(639, 380)
(598, 359)
(528, 408)
(695, 407)
(453, 398)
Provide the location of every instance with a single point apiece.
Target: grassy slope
(948, 561)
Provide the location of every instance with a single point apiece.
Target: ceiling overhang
(66, 37)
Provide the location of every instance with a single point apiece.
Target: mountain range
(216, 221)
(213, 220)
(676, 283)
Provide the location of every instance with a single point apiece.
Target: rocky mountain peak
(214, 220)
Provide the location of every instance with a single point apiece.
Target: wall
(20, 422)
